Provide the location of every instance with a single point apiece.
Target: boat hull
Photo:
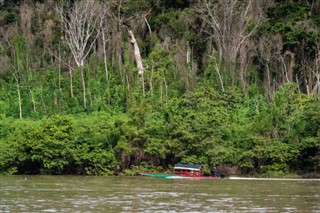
(156, 175)
(169, 176)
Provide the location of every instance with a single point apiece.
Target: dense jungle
(112, 87)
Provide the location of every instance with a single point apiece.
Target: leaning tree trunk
(137, 54)
(137, 57)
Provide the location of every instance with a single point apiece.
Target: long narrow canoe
(156, 175)
(170, 176)
(186, 171)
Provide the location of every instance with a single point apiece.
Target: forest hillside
(108, 87)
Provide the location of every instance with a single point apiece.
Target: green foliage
(287, 11)
(126, 129)
(60, 144)
(311, 118)
(315, 17)
(170, 20)
(204, 127)
(199, 126)
(279, 145)
(286, 19)
(128, 8)
(10, 18)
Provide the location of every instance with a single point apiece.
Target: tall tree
(80, 23)
(229, 24)
(18, 67)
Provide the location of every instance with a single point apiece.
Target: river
(146, 194)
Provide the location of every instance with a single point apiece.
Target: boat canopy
(187, 167)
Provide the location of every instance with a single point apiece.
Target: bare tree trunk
(83, 88)
(59, 77)
(165, 85)
(284, 66)
(71, 81)
(291, 63)
(105, 28)
(138, 59)
(105, 56)
(243, 65)
(316, 89)
(312, 80)
(137, 54)
(16, 77)
(19, 100)
(19, 95)
(217, 66)
(220, 78)
(307, 86)
(188, 54)
(151, 78)
(269, 81)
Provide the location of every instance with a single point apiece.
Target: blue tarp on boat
(187, 167)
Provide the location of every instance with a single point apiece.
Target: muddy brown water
(146, 194)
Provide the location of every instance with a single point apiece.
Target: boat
(183, 171)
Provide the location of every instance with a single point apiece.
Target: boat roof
(193, 167)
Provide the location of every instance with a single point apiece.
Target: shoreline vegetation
(289, 177)
(115, 87)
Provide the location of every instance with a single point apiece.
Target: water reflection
(143, 194)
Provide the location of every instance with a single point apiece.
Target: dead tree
(227, 23)
(316, 88)
(137, 57)
(80, 23)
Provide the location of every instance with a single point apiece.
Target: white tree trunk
(138, 59)
(137, 54)
(71, 81)
(104, 41)
(19, 95)
(84, 88)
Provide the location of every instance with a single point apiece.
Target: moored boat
(188, 171)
